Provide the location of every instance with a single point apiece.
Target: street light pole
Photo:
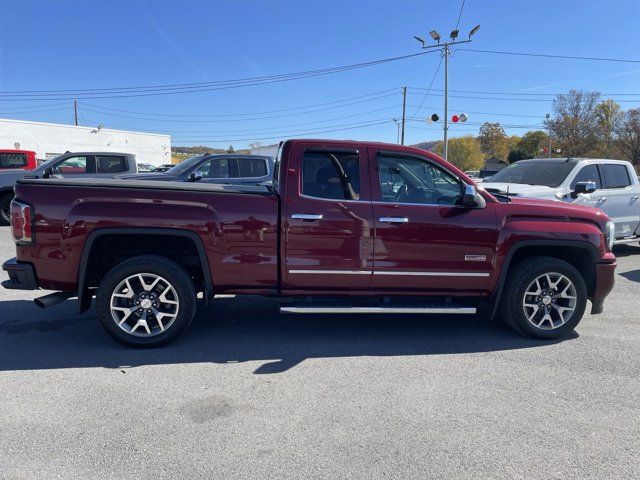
(446, 51)
(398, 125)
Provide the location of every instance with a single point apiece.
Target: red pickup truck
(346, 226)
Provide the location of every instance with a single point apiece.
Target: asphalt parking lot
(248, 393)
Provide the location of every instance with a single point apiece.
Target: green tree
(493, 140)
(609, 117)
(518, 154)
(464, 152)
(574, 125)
(532, 142)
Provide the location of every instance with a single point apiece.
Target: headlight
(610, 233)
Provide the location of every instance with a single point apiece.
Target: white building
(51, 139)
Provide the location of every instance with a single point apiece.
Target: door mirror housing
(471, 198)
(583, 187)
(195, 177)
(48, 172)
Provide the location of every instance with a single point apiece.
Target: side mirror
(48, 172)
(472, 199)
(583, 187)
(195, 177)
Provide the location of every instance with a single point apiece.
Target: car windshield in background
(543, 172)
(185, 166)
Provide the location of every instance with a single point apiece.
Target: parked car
(17, 160)
(472, 174)
(163, 168)
(75, 165)
(348, 227)
(611, 185)
(219, 168)
(145, 167)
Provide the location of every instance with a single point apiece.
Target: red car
(346, 226)
(18, 159)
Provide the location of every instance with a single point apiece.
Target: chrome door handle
(307, 216)
(394, 219)
(602, 199)
(635, 197)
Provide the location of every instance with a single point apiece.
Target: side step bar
(430, 310)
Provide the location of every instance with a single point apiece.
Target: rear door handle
(602, 199)
(635, 197)
(394, 219)
(307, 216)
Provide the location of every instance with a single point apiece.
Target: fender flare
(497, 296)
(84, 296)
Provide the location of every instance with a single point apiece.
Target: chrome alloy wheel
(549, 301)
(144, 305)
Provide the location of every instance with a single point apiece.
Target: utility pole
(75, 112)
(446, 51)
(404, 111)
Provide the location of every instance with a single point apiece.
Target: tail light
(22, 222)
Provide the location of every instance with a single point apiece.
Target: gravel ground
(247, 393)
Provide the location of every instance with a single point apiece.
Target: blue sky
(96, 44)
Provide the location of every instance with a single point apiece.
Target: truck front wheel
(544, 297)
(146, 301)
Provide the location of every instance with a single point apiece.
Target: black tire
(520, 277)
(5, 210)
(172, 274)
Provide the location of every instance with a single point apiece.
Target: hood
(521, 190)
(146, 176)
(537, 207)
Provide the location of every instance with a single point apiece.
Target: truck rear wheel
(5, 208)
(544, 297)
(146, 301)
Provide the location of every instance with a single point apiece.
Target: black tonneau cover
(149, 185)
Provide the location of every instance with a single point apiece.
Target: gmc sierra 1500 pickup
(346, 226)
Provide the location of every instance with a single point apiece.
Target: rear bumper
(22, 275)
(605, 280)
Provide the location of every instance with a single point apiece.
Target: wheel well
(580, 258)
(110, 249)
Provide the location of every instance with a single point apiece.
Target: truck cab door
(73, 166)
(623, 201)
(327, 220)
(424, 239)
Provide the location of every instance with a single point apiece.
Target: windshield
(185, 166)
(543, 172)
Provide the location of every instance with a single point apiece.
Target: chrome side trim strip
(407, 274)
(434, 274)
(335, 272)
(432, 310)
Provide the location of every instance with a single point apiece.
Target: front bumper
(605, 280)
(22, 275)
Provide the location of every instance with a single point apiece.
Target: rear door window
(589, 173)
(616, 176)
(251, 167)
(111, 164)
(332, 175)
(13, 160)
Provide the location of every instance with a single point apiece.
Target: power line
(547, 55)
(502, 99)
(521, 93)
(335, 102)
(460, 14)
(428, 89)
(127, 92)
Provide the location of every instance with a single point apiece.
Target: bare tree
(628, 133)
(574, 126)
